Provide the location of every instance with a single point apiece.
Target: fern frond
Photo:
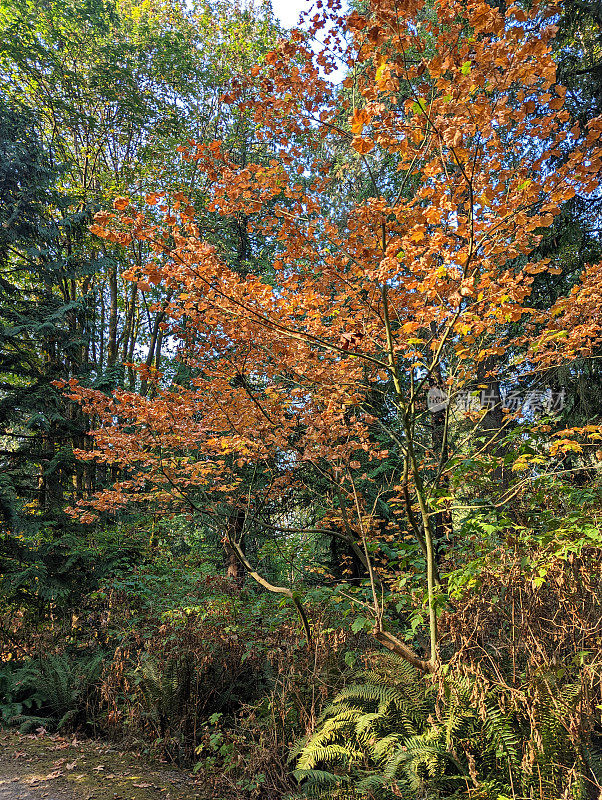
(328, 754)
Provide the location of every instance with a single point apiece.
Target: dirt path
(58, 768)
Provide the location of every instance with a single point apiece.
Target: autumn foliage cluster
(454, 115)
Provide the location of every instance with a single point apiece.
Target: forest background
(300, 391)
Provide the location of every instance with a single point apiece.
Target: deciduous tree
(419, 285)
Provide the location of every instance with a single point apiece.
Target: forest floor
(47, 767)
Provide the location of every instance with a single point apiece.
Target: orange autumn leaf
(359, 120)
(363, 145)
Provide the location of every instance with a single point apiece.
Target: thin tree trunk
(101, 345)
(112, 337)
(492, 424)
(442, 521)
(156, 339)
(234, 568)
(130, 353)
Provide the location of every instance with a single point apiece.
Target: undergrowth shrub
(513, 712)
(246, 754)
(219, 653)
(393, 734)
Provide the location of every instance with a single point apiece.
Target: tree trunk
(492, 423)
(442, 521)
(345, 564)
(112, 338)
(234, 569)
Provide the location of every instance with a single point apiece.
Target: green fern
(386, 737)
(371, 737)
(167, 689)
(58, 686)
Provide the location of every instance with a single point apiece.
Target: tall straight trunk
(84, 325)
(50, 484)
(126, 340)
(112, 333)
(130, 353)
(89, 466)
(150, 358)
(158, 349)
(101, 344)
(154, 349)
(128, 329)
(492, 424)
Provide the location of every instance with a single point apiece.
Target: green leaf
(360, 624)
(350, 658)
